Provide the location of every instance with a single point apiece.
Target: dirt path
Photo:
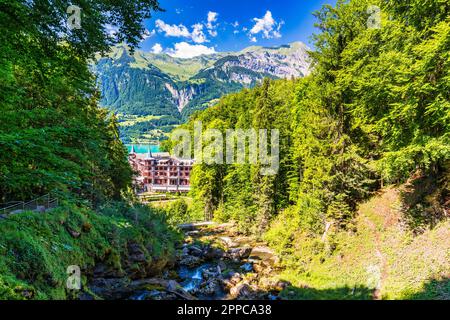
(378, 221)
(380, 271)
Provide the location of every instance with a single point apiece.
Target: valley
(153, 93)
(355, 204)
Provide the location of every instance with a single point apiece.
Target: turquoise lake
(143, 148)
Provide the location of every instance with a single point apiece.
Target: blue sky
(192, 27)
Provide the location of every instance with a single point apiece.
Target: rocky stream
(215, 262)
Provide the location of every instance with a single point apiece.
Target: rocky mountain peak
(145, 83)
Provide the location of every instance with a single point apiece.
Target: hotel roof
(160, 156)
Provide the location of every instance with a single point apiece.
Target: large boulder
(212, 253)
(241, 291)
(110, 289)
(227, 241)
(265, 254)
(210, 288)
(136, 253)
(232, 279)
(273, 285)
(190, 261)
(195, 251)
(102, 270)
(239, 253)
(169, 286)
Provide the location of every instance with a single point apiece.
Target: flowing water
(215, 264)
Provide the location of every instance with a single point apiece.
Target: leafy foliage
(37, 248)
(374, 111)
(53, 137)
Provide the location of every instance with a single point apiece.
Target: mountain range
(151, 92)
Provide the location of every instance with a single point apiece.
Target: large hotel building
(159, 172)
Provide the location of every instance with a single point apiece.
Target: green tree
(374, 110)
(53, 136)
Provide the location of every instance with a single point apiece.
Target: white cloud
(197, 34)
(211, 25)
(172, 30)
(212, 17)
(267, 26)
(235, 25)
(253, 39)
(148, 34)
(277, 33)
(180, 31)
(157, 48)
(185, 50)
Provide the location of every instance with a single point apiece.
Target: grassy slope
(381, 260)
(178, 210)
(131, 120)
(36, 249)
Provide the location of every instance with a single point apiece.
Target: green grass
(164, 204)
(36, 249)
(350, 263)
(178, 210)
(130, 120)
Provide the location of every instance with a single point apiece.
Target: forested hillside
(53, 136)
(357, 210)
(374, 112)
(55, 139)
(170, 89)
